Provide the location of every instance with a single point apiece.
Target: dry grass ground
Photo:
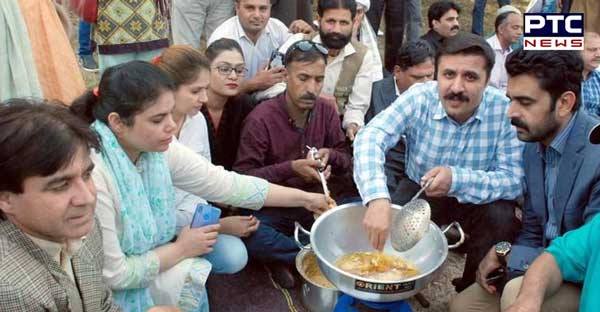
(440, 292)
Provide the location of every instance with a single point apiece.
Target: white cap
(507, 8)
(365, 3)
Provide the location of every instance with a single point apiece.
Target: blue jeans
(85, 43)
(273, 241)
(478, 10)
(229, 255)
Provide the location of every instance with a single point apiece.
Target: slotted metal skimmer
(411, 223)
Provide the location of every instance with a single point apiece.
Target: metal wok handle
(297, 229)
(460, 231)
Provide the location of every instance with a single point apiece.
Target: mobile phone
(276, 59)
(205, 215)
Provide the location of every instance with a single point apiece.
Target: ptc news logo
(553, 31)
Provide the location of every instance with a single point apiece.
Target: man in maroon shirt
(273, 146)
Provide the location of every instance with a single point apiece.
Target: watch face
(502, 248)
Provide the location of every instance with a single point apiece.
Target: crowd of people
(101, 218)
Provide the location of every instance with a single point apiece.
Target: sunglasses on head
(305, 46)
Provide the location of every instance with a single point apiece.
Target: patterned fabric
(30, 280)
(590, 93)
(125, 26)
(483, 153)
(18, 75)
(147, 201)
(193, 295)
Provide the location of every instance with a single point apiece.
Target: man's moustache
(456, 97)
(518, 123)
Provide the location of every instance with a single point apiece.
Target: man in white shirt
(509, 28)
(350, 66)
(259, 35)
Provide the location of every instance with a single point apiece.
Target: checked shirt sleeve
(371, 144)
(502, 181)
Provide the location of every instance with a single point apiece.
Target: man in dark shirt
(414, 63)
(273, 146)
(443, 23)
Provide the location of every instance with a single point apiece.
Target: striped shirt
(590, 93)
(483, 153)
(551, 156)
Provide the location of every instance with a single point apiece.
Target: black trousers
(394, 27)
(288, 11)
(485, 224)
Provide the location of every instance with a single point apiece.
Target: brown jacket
(31, 281)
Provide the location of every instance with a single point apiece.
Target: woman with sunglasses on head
(190, 71)
(137, 169)
(226, 107)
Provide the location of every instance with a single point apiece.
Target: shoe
(458, 284)
(88, 63)
(282, 275)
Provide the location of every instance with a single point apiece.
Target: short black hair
(324, 5)
(38, 138)
(414, 53)
(438, 9)
(557, 71)
(468, 44)
(310, 55)
(501, 18)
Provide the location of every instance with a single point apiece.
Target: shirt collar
(282, 104)
(595, 72)
(494, 42)
(242, 33)
(560, 140)
(54, 249)
(396, 87)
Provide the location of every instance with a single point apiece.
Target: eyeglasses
(305, 46)
(226, 70)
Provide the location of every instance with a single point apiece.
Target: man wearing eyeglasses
(350, 70)
(273, 146)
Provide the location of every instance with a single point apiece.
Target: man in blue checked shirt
(590, 88)
(457, 134)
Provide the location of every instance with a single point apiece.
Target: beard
(334, 40)
(537, 134)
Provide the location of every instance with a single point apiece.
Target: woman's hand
(240, 226)
(318, 203)
(197, 241)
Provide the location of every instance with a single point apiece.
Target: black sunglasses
(305, 46)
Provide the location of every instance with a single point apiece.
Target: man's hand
(306, 169)
(377, 221)
(265, 79)
(351, 131)
(323, 156)
(442, 181)
(240, 226)
(300, 26)
(488, 265)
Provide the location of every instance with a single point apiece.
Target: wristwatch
(502, 250)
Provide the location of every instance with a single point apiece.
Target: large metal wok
(339, 231)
